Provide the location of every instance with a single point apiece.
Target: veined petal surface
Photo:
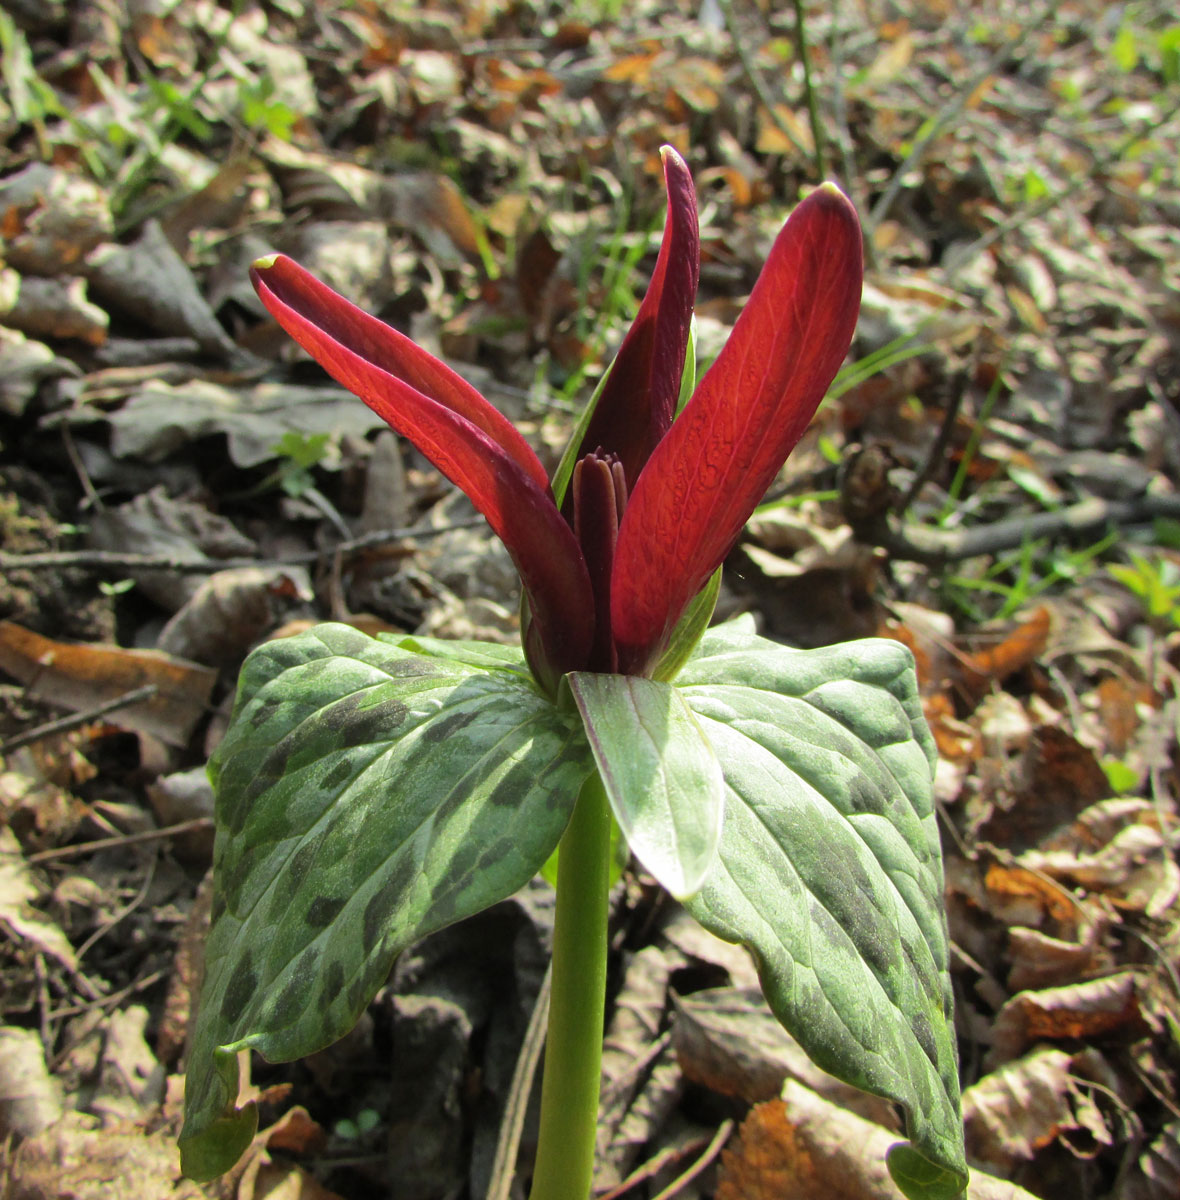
(638, 400)
(706, 476)
(472, 444)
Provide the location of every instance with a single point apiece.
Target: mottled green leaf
(660, 774)
(366, 795)
(830, 870)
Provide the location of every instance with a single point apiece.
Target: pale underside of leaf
(367, 796)
(829, 870)
(661, 775)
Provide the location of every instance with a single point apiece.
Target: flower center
(600, 495)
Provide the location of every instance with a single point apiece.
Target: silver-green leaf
(830, 870)
(366, 796)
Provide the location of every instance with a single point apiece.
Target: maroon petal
(638, 401)
(471, 443)
(716, 462)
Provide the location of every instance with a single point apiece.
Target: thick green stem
(573, 1051)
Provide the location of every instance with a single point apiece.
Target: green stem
(573, 1051)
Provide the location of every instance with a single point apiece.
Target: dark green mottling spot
(451, 723)
(338, 776)
(383, 903)
(332, 983)
(323, 911)
(262, 712)
(409, 667)
(279, 655)
(352, 725)
(924, 1033)
(863, 796)
(515, 784)
(311, 671)
(240, 990)
(294, 998)
(291, 879)
(364, 987)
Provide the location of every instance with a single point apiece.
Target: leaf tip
(217, 1148)
(921, 1179)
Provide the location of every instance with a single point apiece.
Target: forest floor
(991, 481)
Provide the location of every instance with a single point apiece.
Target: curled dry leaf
(729, 1041)
(1025, 1106)
(24, 364)
(150, 281)
(80, 677)
(161, 419)
(52, 219)
(155, 523)
(231, 610)
(803, 1146)
(56, 309)
(1095, 1008)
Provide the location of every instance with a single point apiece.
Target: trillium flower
(654, 501)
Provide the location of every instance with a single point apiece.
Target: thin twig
(126, 911)
(114, 998)
(755, 77)
(127, 839)
(711, 1151)
(652, 1167)
(938, 547)
(949, 111)
(111, 560)
(958, 259)
(508, 1141)
(76, 720)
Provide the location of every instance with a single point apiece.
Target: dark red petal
(638, 402)
(459, 432)
(706, 476)
(283, 284)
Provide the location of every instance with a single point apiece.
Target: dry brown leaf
(1020, 647)
(729, 1041)
(1040, 961)
(282, 1181)
(54, 309)
(50, 219)
(187, 972)
(1156, 1174)
(1057, 779)
(626, 1060)
(1025, 1106)
(151, 282)
(230, 611)
(802, 1147)
(1095, 1008)
(80, 677)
